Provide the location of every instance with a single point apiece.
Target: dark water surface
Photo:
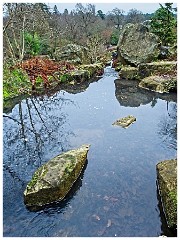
(116, 194)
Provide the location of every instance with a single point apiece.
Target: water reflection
(129, 94)
(117, 196)
(34, 127)
(168, 126)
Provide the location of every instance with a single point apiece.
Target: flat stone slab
(125, 121)
(167, 182)
(53, 180)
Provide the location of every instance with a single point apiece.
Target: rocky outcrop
(129, 73)
(53, 180)
(158, 68)
(161, 84)
(160, 76)
(137, 45)
(125, 122)
(129, 94)
(72, 53)
(82, 74)
(167, 182)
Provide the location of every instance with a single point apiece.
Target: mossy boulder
(93, 69)
(161, 84)
(137, 45)
(167, 183)
(129, 73)
(72, 53)
(80, 75)
(53, 180)
(125, 121)
(158, 68)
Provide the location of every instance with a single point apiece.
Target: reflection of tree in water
(168, 126)
(35, 131)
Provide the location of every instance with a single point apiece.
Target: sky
(105, 6)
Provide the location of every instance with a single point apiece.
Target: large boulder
(53, 180)
(137, 45)
(167, 182)
(72, 53)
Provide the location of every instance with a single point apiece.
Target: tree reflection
(33, 133)
(168, 126)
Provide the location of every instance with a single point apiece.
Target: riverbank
(17, 85)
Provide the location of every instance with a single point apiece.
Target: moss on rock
(129, 73)
(158, 68)
(53, 180)
(161, 84)
(137, 45)
(167, 182)
(125, 122)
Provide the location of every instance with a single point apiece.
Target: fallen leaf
(96, 217)
(109, 223)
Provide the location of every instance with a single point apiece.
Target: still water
(116, 194)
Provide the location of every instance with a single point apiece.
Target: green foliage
(101, 14)
(114, 37)
(164, 24)
(15, 82)
(173, 196)
(64, 78)
(32, 44)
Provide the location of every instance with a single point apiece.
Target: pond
(116, 194)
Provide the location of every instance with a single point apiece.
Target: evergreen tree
(55, 10)
(101, 14)
(164, 24)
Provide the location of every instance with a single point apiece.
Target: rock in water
(137, 45)
(167, 181)
(125, 122)
(53, 180)
(161, 84)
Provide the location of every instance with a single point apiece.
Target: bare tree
(86, 17)
(116, 16)
(134, 16)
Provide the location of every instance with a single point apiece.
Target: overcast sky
(108, 6)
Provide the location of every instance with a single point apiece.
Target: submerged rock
(53, 180)
(125, 122)
(167, 182)
(137, 45)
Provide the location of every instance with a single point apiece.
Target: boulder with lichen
(53, 180)
(137, 45)
(167, 183)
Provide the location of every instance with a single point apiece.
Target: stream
(116, 194)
